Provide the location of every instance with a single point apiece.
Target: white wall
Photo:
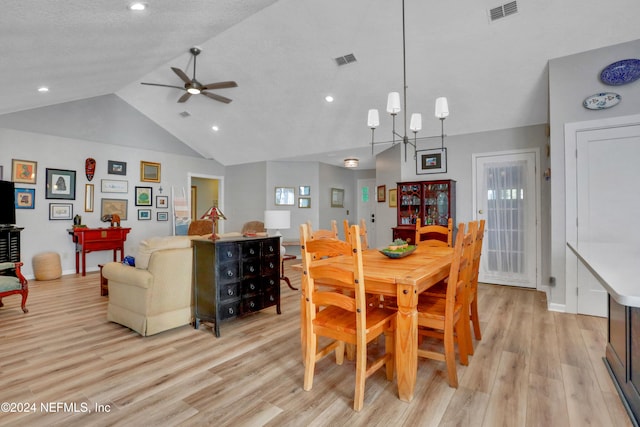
(41, 234)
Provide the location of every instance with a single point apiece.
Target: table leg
(282, 276)
(84, 262)
(77, 261)
(406, 341)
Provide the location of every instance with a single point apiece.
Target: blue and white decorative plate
(600, 101)
(621, 72)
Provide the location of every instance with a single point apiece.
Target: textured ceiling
(281, 54)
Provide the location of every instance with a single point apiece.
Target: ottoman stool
(46, 266)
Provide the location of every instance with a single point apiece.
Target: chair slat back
(434, 235)
(324, 233)
(460, 265)
(314, 249)
(477, 253)
(364, 240)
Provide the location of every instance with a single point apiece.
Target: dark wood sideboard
(97, 239)
(235, 276)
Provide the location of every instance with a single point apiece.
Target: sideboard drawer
(229, 291)
(229, 310)
(228, 272)
(252, 304)
(251, 267)
(227, 252)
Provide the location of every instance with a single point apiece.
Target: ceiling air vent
(347, 59)
(503, 11)
(185, 114)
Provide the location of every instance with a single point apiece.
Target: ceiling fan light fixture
(351, 163)
(193, 90)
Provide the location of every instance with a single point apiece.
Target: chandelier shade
(393, 103)
(442, 107)
(416, 122)
(373, 120)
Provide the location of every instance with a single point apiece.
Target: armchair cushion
(149, 246)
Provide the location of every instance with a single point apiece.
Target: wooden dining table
(404, 278)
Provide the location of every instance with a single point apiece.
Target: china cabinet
(434, 202)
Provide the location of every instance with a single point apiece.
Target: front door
(367, 208)
(506, 197)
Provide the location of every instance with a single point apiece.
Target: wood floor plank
(64, 350)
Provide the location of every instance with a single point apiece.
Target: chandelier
(394, 107)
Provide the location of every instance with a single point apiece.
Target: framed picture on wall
(61, 184)
(60, 211)
(337, 198)
(25, 198)
(144, 214)
(114, 206)
(431, 161)
(393, 198)
(304, 202)
(23, 171)
(162, 216)
(162, 202)
(144, 196)
(149, 171)
(116, 168)
(382, 190)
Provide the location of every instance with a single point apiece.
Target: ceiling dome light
(351, 163)
(215, 128)
(137, 6)
(43, 89)
(328, 98)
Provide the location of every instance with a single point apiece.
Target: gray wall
(41, 234)
(571, 80)
(392, 168)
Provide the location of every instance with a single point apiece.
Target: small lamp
(214, 214)
(277, 220)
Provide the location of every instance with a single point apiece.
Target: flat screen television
(7, 203)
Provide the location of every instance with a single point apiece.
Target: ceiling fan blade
(216, 97)
(184, 97)
(157, 84)
(220, 85)
(182, 75)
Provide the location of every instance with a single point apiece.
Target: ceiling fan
(193, 86)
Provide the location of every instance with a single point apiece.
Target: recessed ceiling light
(328, 98)
(215, 128)
(137, 6)
(43, 89)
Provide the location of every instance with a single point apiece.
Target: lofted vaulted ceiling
(282, 55)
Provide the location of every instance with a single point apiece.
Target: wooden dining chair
(341, 317)
(331, 233)
(434, 235)
(440, 289)
(443, 318)
(364, 240)
(473, 285)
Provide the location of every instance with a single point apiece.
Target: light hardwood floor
(532, 368)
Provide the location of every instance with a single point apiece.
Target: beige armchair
(156, 294)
